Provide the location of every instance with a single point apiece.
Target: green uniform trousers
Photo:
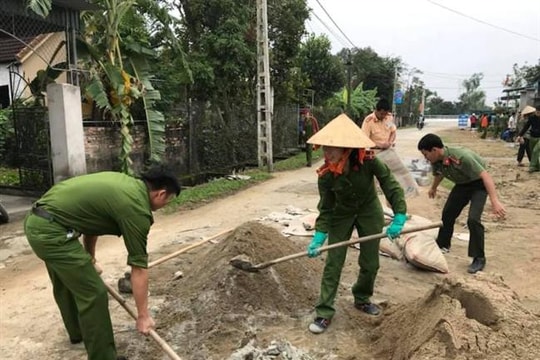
(309, 154)
(368, 260)
(77, 287)
(534, 145)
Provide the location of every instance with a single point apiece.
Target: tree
(220, 37)
(286, 26)
(324, 71)
(362, 102)
(436, 105)
(373, 71)
(473, 98)
(525, 75)
(119, 70)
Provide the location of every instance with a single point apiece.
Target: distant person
(104, 203)
(348, 201)
(473, 185)
(379, 125)
(420, 122)
(473, 120)
(533, 123)
(309, 127)
(523, 141)
(484, 123)
(512, 125)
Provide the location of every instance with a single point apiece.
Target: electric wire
(332, 32)
(483, 22)
(336, 25)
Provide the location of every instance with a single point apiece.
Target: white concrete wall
(4, 74)
(18, 81)
(67, 135)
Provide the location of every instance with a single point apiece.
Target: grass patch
(215, 189)
(9, 176)
(203, 193)
(297, 161)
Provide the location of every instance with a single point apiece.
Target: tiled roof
(10, 47)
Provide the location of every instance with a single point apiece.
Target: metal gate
(32, 143)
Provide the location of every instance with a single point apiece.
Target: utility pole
(394, 92)
(423, 103)
(264, 93)
(349, 85)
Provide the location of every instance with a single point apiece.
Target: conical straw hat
(527, 110)
(341, 132)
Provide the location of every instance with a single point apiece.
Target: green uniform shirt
(460, 165)
(105, 203)
(353, 195)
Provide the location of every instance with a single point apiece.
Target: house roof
(11, 47)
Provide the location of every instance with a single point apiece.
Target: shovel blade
(243, 262)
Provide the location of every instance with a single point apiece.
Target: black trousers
(524, 149)
(474, 193)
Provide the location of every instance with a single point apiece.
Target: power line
(332, 32)
(336, 25)
(483, 22)
(458, 87)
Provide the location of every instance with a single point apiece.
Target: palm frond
(155, 121)
(97, 92)
(40, 7)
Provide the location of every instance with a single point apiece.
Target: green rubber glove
(396, 226)
(316, 242)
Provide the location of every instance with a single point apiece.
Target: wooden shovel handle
(187, 248)
(162, 343)
(346, 243)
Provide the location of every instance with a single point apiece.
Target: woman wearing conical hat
(348, 200)
(533, 125)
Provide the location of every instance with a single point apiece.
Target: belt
(42, 213)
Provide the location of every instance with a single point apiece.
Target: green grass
(297, 161)
(215, 189)
(201, 194)
(9, 176)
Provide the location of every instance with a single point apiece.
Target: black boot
(477, 265)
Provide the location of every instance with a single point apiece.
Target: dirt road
(31, 328)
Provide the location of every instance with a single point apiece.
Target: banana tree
(362, 101)
(119, 73)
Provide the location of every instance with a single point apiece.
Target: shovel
(154, 335)
(243, 263)
(124, 284)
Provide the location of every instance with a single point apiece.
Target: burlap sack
(422, 251)
(400, 172)
(391, 249)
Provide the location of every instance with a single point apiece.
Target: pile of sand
(479, 317)
(216, 302)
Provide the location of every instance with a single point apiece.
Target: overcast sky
(446, 46)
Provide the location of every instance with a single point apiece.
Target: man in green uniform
(93, 205)
(472, 185)
(309, 127)
(348, 200)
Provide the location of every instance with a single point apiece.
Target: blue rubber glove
(396, 226)
(316, 242)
